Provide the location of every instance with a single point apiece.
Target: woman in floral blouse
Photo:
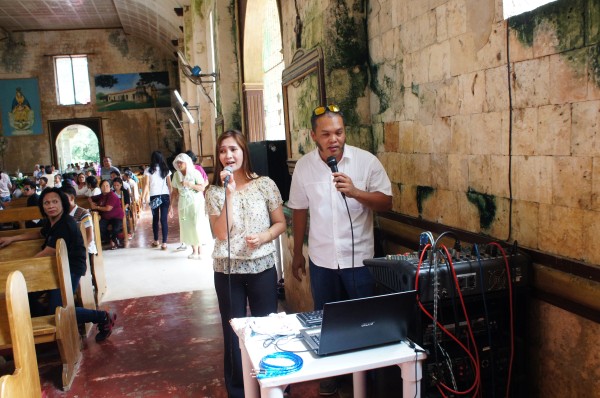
(244, 253)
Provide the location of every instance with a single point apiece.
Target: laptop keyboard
(310, 318)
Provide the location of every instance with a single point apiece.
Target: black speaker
(269, 158)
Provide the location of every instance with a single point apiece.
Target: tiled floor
(162, 346)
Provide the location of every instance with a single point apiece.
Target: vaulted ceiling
(154, 21)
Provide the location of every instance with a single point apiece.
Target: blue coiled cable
(270, 369)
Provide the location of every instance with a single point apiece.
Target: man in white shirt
(363, 184)
(336, 245)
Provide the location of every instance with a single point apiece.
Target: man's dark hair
(68, 189)
(48, 169)
(29, 183)
(192, 156)
(92, 181)
(45, 179)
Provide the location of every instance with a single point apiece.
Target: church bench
(20, 215)
(48, 273)
(13, 232)
(16, 202)
(25, 381)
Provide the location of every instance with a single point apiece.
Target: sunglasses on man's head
(329, 108)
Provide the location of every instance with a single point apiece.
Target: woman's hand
(231, 184)
(253, 241)
(171, 212)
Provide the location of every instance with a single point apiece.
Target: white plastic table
(314, 367)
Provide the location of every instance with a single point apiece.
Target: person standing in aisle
(188, 186)
(159, 189)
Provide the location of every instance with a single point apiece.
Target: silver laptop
(361, 323)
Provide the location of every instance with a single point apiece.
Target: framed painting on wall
(21, 108)
(125, 91)
(303, 83)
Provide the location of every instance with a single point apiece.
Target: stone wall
(129, 136)
(483, 125)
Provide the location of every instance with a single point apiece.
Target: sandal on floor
(155, 243)
(194, 256)
(163, 246)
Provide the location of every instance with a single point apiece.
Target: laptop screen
(366, 322)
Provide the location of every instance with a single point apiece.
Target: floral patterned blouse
(251, 215)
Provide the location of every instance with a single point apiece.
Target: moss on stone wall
(346, 61)
(236, 117)
(423, 192)
(486, 205)
(377, 88)
(118, 39)
(14, 50)
(577, 24)
(197, 7)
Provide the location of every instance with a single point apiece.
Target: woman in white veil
(189, 185)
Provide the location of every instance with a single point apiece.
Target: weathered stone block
(458, 172)
(531, 85)
(471, 87)
(391, 136)
(446, 95)
(496, 89)
(596, 184)
(532, 178)
(439, 61)
(569, 77)
(439, 169)
(456, 18)
(585, 130)
(591, 230)
(423, 138)
(463, 55)
(461, 134)
(406, 136)
(525, 223)
(524, 134)
(554, 130)
(572, 181)
(561, 231)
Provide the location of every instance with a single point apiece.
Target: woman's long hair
(64, 200)
(243, 144)
(157, 159)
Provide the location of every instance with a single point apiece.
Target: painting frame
(131, 91)
(300, 80)
(21, 107)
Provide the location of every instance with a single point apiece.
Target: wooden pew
(25, 381)
(18, 202)
(85, 290)
(13, 232)
(97, 264)
(48, 273)
(20, 215)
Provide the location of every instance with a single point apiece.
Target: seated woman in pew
(58, 224)
(121, 192)
(82, 187)
(92, 184)
(111, 213)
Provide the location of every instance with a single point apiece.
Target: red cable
(512, 329)
(474, 360)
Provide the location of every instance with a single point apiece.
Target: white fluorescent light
(184, 105)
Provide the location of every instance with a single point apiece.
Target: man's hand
(343, 183)
(298, 265)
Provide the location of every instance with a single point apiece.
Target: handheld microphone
(229, 169)
(332, 163)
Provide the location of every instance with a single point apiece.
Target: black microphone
(332, 163)
(229, 169)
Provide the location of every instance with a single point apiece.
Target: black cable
(352, 234)
(487, 318)
(510, 133)
(229, 274)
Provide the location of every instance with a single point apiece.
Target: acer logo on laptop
(367, 324)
